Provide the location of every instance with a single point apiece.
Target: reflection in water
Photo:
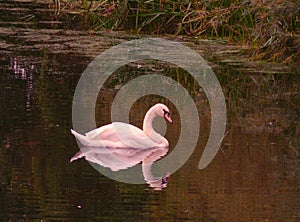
(24, 73)
(123, 158)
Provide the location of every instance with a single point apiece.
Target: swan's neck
(148, 128)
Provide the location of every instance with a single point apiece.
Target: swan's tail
(83, 139)
(77, 156)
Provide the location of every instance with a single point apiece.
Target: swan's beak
(168, 117)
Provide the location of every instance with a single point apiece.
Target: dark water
(254, 177)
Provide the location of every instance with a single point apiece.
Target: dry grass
(271, 28)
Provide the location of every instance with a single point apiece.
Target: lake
(253, 177)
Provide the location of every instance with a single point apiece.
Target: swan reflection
(117, 159)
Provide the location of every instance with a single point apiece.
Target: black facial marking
(166, 112)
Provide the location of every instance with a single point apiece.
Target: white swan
(123, 135)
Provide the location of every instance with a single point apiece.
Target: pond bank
(271, 29)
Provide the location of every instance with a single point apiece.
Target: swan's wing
(94, 133)
(120, 135)
(111, 131)
(132, 136)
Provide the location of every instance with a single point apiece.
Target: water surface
(254, 177)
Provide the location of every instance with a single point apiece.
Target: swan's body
(123, 135)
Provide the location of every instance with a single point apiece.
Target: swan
(123, 135)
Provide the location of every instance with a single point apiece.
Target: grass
(271, 28)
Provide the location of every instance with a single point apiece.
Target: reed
(271, 28)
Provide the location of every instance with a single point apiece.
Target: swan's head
(163, 110)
